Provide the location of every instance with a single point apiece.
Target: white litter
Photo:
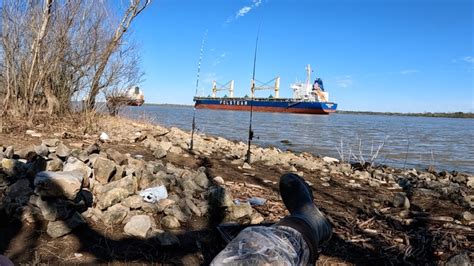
(154, 194)
(104, 137)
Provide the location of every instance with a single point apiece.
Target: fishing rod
(191, 144)
(247, 158)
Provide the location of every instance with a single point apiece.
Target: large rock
(256, 218)
(469, 200)
(362, 175)
(150, 180)
(9, 152)
(119, 173)
(118, 157)
(138, 226)
(35, 166)
(470, 182)
(26, 152)
(93, 148)
(399, 200)
(219, 197)
(170, 222)
(238, 211)
(459, 260)
(159, 153)
(219, 180)
(19, 191)
(165, 145)
(150, 208)
(60, 228)
(111, 197)
(128, 183)
(62, 150)
(195, 210)
(175, 211)
(11, 167)
(54, 164)
(201, 180)
(189, 185)
(133, 202)
(164, 203)
(52, 210)
(103, 169)
(57, 184)
(42, 150)
(74, 164)
(115, 214)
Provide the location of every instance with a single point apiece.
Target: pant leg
(260, 245)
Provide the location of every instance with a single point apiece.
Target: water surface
(446, 143)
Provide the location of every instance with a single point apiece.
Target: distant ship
(308, 98)
(132, 97)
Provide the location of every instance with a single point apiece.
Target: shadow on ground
(20, 240)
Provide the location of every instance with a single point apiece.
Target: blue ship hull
(280, 105)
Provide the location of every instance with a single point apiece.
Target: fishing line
(196, 92)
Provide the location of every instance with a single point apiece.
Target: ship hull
(266, 105)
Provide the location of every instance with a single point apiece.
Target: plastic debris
(104, 137)
(154, 194)
(256, 201)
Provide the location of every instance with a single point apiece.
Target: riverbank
(87, 209)
(425, 114)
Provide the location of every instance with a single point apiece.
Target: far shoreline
(425, 114)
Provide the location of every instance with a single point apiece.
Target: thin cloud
(468, 59)
(210, 77)
(345, 81)
(409, 71)
(244, 11)
(218, 59)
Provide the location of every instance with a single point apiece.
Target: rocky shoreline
(66, 180)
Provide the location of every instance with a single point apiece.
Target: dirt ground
(367, 229)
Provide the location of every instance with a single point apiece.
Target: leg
(293, 241)
(260, 245)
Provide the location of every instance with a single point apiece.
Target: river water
(445, 143)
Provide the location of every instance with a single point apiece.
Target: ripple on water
(447, 143)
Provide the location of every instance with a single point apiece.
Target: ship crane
(266, 86)
(229, 86)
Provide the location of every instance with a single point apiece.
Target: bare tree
(135, 8)
(52, 50)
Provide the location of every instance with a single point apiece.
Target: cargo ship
(308, 98)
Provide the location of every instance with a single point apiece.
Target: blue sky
(374, 55)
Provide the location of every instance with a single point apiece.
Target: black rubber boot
(305, 217)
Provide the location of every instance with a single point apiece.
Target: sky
(373, 55)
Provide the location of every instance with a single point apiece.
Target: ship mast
(308, 79)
